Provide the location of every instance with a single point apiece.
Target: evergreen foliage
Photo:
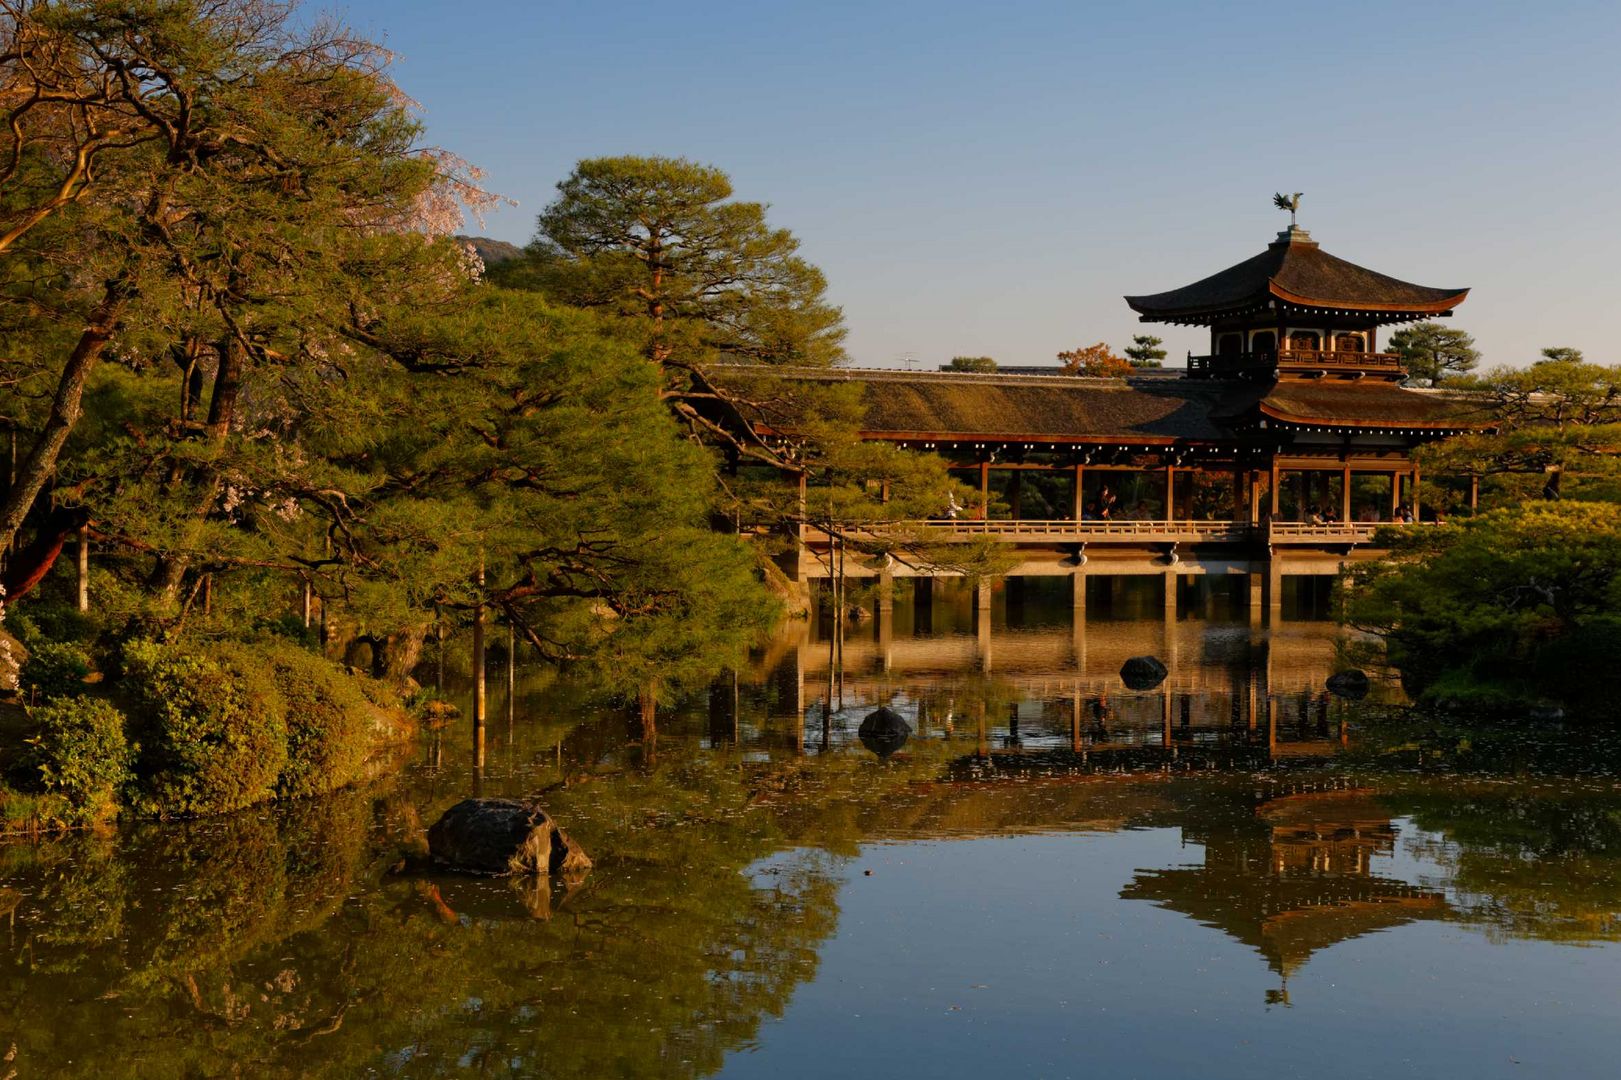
(1145, 352)
(1433, 353)
(56, 669)
(328, 733)
(211, 727)
(80, 752)
(1503, 609)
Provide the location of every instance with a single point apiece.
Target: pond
(1228, 875)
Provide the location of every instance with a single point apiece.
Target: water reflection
(1237, 803)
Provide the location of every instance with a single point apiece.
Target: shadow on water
(283, 942)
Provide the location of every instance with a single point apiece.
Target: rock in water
(1352, 685)
(884, 731)
(503, 836)
(1143, 673)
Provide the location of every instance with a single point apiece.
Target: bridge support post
(1257, 597)
(1274, 591)
(1077, 585)
(982, 623)
(886, 618)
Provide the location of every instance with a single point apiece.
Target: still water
(1231, 875)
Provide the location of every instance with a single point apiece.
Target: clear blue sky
(990, 178)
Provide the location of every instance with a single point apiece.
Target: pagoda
(1295, 311)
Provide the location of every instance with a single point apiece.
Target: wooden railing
(1331, 532)
(1087, 532)
(1067, 530)
(1294, 359)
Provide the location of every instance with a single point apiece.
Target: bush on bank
(1513, 607)
(211, 726)
(81, 753)
(328, 718)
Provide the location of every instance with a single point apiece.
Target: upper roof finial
(1289, 203)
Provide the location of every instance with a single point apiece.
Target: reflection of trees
(1542, 864)
(267, 944)
(280, 944)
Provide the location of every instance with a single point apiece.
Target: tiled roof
(906, 405)
(1294, 272)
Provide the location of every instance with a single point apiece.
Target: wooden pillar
(479, 699)
(982, 623)
(84, 568)
(1255, 498)
(1257, 596)
(1474, 493)
(984, 489)
(1345, 493)
(1080, 501)
(1274, 591)
(1417, 505)
(512, 677)
(1078, 620)
(1275, 475)
(886, 618)
(1170, 493)
(1016, 494)
(1395, 495)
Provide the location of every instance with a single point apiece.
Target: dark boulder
(1352, 685)
(503, 836)
(1143, 673)
(1545, 712)
(884, 731)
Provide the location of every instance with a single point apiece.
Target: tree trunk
(40, 464)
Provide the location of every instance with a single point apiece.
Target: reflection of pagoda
(1291, 875)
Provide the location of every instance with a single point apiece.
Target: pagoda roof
(1366, 403)
(1158, 409)
(1294, 271)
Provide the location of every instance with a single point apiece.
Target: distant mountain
(492, 251)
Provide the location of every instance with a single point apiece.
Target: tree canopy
(1095, 361)
(1145, 352)
(698, 275)
(1433, 353)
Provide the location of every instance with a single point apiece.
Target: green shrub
(81, 752)
(328, 721)
(56, 668)
(211, 726)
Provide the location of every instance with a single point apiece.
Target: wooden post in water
(84, 568)
(512, 677)
(478, 670)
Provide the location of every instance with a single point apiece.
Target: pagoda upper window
(1305, 340)
(1349, 343)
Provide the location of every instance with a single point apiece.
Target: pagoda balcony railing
(1330, 532)
(1064, 530)
(1294, 360)
(1068, 530)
